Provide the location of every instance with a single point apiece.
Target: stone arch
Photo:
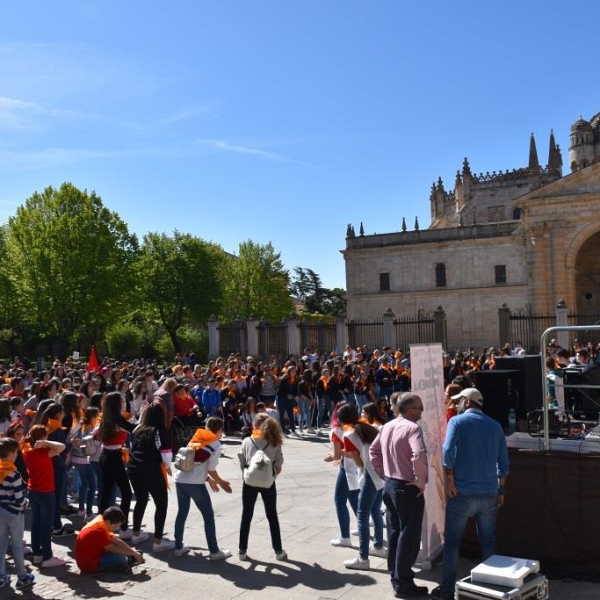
(582, 263)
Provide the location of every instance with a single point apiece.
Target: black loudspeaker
(584, 400)
(499, 390)
(531, 389)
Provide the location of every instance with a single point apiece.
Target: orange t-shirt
(91, 543)
(41, 470)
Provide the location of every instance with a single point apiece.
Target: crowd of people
(98, 436)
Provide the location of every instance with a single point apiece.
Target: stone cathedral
(527, 237)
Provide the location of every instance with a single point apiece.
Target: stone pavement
(308, 522)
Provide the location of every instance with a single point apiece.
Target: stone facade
(526, 237)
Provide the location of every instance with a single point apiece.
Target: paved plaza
(314, 569)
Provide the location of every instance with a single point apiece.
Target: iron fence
(320, 336)
(272, 340)
(527, 327)
(233, 337)
(415, 330)
(363, 332)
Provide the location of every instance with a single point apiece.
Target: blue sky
(283, 121)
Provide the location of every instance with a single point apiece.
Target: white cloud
(237, 149)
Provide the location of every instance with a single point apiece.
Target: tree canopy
(70, 258)
(257, 284)
(180, 280)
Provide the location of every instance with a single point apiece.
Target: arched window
(440, 275)
(517, 214)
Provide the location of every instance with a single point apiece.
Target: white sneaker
(126, 535)
(243, 555)
(141, 537)
(318, 431)
(381, 552)
(310, 430)
(346, 542)
(358, 563)
(354, 532)
(163, 545)
(53, 562)
(182, 551)
(37, 559)
(282, 555)
(220, 555)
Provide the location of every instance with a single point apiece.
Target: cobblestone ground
(308, 523)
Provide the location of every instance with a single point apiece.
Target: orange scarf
(324, 380)
(6, 468)
(53, 425)
(257, 433)
(100, 523)
(163, 470)
(202, 438)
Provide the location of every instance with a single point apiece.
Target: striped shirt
(12, 493)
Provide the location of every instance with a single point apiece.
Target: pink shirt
(399, 452)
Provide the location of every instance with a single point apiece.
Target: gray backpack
(259, 472)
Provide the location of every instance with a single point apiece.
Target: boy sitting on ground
(98, 548)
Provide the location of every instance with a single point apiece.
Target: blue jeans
(305, 418)
(199, 494)
(12, 528)
(87, 486)
(111, 561)
(60, 485)
(484, 507)
(404, 516)
(369, 504)
(42, 515)
(361, 400)
(323, 402)
(286, 407)
(341, 496)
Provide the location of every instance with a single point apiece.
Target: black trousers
(146, 483)
(113, 472)
(269, 497)
(404, 517)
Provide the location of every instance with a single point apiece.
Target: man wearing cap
(399, 456)
(475, 461)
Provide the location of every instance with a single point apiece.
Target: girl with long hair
(148, 475)
(357, 438)
(52, 420)
(113, 433)
(38, 453)
(80, 460)
(306, 402)
(347, 484)
(266, 436)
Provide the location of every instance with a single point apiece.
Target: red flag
(92, 366)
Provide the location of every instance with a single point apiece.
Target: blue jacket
(475, 447)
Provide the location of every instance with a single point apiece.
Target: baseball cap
(472, 394)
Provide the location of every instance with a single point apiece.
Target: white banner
(427, 380)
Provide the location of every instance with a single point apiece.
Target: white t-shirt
(200, 471)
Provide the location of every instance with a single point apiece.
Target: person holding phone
(399, 456)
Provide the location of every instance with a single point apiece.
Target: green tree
(180, 278)
(306, 285)
(256, 284)
(70, 258)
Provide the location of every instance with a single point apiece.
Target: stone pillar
(562, 337)
(341, 334)
(439, 326)
(293, 335)
(389, 331)
(213, 337)
(503, 324)
(252, 336)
